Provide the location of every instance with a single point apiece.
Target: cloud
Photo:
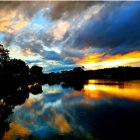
(117, 26)
(60, 30)
(56, 10)
(103, 60)
(25, 54)
(7, 39)
(63, 9)
(51, 55)
(35, 46)
(60, 34)
(26, 8)
(10, 25)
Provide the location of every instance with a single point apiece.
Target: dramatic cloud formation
(61, 35)
(115, 27)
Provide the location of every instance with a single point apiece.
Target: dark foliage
(120, 73)
(36, 70)
(4, 53)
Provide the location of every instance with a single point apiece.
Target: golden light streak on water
(129, 90)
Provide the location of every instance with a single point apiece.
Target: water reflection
(99, 89)
(17, 129)
(103, 110)
(16, 96)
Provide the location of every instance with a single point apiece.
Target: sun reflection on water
(90, 87)
(99, 89)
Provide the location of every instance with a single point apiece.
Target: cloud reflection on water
(98, 110)
(17, 129)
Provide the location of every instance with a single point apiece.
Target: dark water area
(101, 110)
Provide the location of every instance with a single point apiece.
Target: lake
(101, 110)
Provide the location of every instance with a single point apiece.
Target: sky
(62, 35)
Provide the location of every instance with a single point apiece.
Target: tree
(17, 66)
(78, 69)
(4, 53)
(36, 70)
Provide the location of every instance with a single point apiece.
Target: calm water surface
(103, 109)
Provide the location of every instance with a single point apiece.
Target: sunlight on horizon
(97, 61)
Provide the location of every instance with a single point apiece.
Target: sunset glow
(97, 61)
(62, 35)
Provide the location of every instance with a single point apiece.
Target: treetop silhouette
(4, 53)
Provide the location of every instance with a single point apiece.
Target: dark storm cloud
(117, 26)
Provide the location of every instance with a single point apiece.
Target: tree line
(16, 68)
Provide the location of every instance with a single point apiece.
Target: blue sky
(62, 35)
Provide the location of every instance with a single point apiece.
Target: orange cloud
(100, 60)
(9, 24)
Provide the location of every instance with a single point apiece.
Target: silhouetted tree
(78, 69)
(4, 53)
(36, 70)
(17, 66)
